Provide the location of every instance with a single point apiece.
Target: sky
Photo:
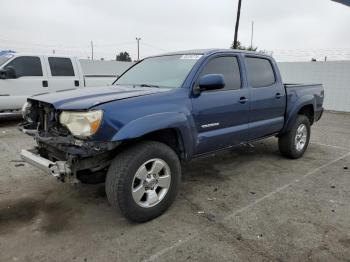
(291, 30)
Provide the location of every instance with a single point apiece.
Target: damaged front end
(58, 152)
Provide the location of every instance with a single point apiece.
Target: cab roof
(35, 54)
(213, 51)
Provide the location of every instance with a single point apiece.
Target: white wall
(99, 67)
(334, 75)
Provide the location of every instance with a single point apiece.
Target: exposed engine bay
(70, 156)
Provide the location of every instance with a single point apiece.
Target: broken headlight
(81, 123)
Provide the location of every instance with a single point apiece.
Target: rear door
(63, 74)
(30, 80)
(267, 97)
(221, 116)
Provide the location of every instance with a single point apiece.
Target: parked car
(163, 111)
(25, 75)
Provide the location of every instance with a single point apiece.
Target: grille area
(44, 118)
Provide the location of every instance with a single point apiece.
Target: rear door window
(61, 66)
(260, 72)
(26, 66)
(228, 67)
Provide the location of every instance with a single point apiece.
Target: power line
(116, 44)
(155, 47)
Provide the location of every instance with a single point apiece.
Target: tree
(241, 47)
(123, 56)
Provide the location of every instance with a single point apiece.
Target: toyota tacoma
(163, 111)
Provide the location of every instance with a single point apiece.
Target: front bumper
(58, 169)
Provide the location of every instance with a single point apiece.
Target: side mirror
(210, 82)
(8, 73)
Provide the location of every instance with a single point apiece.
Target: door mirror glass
(8, 73)
(211, 82)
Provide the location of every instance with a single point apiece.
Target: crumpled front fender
(151, 123)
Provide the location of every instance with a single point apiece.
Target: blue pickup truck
(165, 110)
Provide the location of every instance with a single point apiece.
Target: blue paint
(344, 2)
(206, 122)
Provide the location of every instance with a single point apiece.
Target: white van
(24, 75)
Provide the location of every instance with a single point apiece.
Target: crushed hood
(87, 97)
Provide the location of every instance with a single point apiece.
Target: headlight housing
(81, 123)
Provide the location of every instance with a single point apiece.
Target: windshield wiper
(147, 85)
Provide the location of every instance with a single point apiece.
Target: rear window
(61, 66)
(26, 66)
(260, 72)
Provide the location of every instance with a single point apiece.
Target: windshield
(163, 71)
(4, 58)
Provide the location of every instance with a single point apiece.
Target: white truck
(25, 75)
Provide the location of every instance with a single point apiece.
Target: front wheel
(143, 180)
(294, 143)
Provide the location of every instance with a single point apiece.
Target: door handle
(243, 100)
(278, 96)
(76, 82)
(45, 83)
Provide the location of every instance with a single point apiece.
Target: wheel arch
(169, 128)
(304, 106)
(308, 111)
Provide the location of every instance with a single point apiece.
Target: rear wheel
(294, 143)
(143, 180)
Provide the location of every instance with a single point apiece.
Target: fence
(334, 75)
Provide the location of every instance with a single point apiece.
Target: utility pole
(235, 43)
(92, 50)
(251, 39)
(138, 47)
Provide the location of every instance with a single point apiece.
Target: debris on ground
(346, 168)
(18, 165)
(211, 199)
(253, 193)
(211, 217)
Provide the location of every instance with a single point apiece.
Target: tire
(287, 143)
(122, 180)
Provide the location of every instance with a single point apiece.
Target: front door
(221, 116)
(30, 79)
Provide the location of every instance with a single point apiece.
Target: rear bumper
(58, 169)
